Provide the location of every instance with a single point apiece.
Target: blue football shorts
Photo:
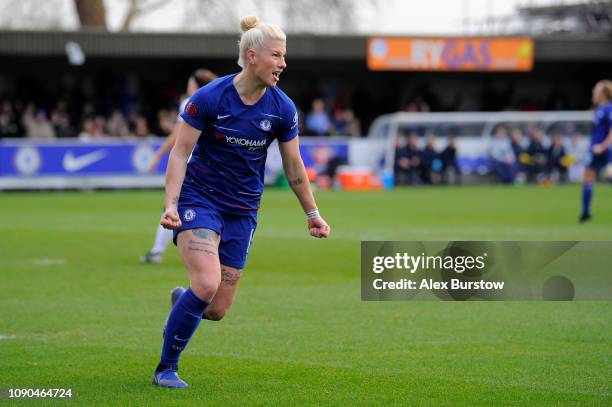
(236, 231)
(599, 161)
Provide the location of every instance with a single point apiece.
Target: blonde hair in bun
(248, 22)
(254, 34)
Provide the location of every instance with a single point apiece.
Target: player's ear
(250, 56)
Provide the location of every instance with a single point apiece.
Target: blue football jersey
(228, 162)
(602, 123)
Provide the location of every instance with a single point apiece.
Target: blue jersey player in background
(601, 140)
(214, 183)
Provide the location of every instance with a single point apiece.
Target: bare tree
(139, 8)
(92, 13)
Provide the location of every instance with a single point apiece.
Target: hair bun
(249, 22)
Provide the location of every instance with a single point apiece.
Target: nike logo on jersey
(219, 117)
(73, 164)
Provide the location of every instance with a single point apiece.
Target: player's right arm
(186, 138)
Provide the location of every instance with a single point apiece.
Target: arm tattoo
(174, 200)
(229, 277)
(295, 182)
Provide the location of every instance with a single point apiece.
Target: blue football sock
(587, 194)
(182, 323)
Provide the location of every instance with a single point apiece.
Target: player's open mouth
(276, 74)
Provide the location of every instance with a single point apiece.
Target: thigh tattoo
(207, 244)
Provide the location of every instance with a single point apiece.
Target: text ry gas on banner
(450, 54)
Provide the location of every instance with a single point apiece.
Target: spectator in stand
(88, 130)
(117, 126)
(449, 161)
(142, 127)
(317, 120)
(402, 161)
(538, 157)
(429, 174)
(502, 156)
(414, 154)
(100, 126)
(345, 123)
(36, 124)
(578, 157)
(519, 147)
(8, 128)
(556, 160)
(61, 122)
(418, 104)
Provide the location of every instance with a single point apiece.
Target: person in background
(163, 236)
(502, 156)
(556, 160)
(521, 158)
(317, 120)
(402, 161)
(428, 156)
(538, 156)
(36, 124)
(449, 161)
(601, 140)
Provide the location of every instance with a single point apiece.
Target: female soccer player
(601, 140)
(212, 198)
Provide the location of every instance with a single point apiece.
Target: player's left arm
(167, 146)
(298, 180)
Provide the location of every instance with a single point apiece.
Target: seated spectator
(141, 127)
(449, 161)
(116, 125)
(88, 130)
(61, 122)
(502, 156)
(402, 166)
(8, 128)
(519, 147)
(346, 124)
(317, 120)
(429, 161)
(36, 124)
(414, 155)
(100, 126)
(578, 157)
(538, 159)
(557, 160)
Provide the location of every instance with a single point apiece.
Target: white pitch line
(7, 337)
(48, 262)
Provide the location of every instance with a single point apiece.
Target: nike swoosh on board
(73, 164)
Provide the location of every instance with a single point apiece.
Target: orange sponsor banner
(450, 54)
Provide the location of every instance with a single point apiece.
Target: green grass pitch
(78, 310)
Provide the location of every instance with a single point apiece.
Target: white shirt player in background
(197, 79)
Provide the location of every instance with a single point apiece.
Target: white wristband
(312, 214)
